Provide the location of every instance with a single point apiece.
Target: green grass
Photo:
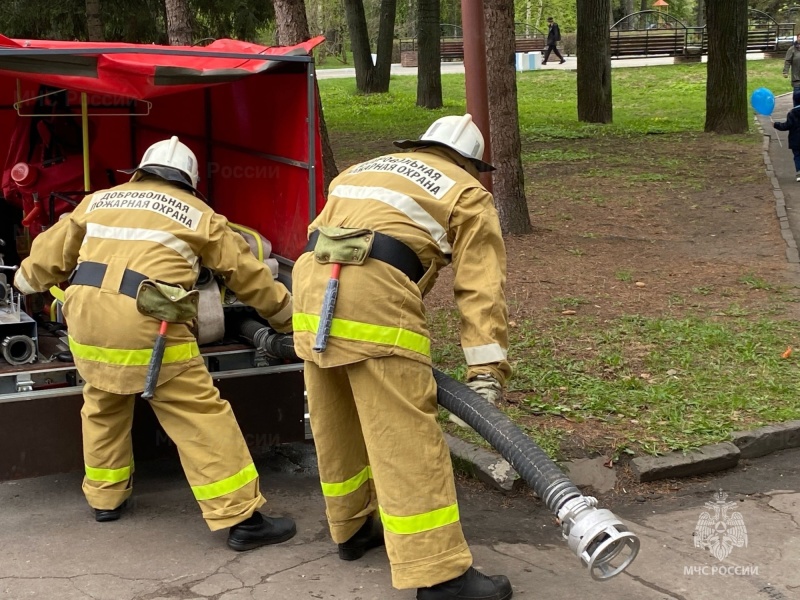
(647, 101)
(661, 383)
(668, 384)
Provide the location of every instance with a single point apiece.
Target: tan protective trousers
(212, 449)
(380, 449)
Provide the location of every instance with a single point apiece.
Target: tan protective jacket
(159, 230)
(426, 200)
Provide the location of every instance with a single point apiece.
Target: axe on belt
(169, 304)
(328, 306)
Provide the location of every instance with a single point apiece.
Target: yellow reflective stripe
(422, 522)
(349, 486)
(227, 485)
(132, 358)
(57, 293)
(108, 475)
(366, 332)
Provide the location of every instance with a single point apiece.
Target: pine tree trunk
(594, 62)
(179, 23)
(508, 180)
(94, 23)
(726, 91)
(429, 57)
(371, 78)
(292, 22)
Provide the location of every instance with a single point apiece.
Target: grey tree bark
(726, 90)
(179, 22)
(701, 12)
(371, 78)
(509, 179)
(94, 22)
(290, 16)
(594, 62)
(429, 55)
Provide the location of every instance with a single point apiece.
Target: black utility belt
(389, 250)
(92, 274)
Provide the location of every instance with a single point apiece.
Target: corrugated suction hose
(601, 541)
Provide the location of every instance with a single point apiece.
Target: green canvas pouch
(167, 302)
(342, 245)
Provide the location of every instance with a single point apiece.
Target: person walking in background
(553, 37)
(792, 65)
(792, 125)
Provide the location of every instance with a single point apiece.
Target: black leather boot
(472, 585)
(103, 515)
(259, 530)
(369, 536)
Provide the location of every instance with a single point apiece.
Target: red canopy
(244, 116)
(146, 71)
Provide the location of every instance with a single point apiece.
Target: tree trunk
(594, 62)
(94, 24)
(429, 57)
(179, 23)
(701, 13)
(383, 68)
(290, 16)
(509, 180)
(628, 7)
(726, 91)
(371, 78)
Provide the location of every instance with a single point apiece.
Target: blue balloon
(763, 101)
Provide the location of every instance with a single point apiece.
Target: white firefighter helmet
(457, 133)
(170, 159)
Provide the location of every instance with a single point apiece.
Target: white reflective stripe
(133, 234)
(22, 284)
(405, 204)
(483, 355)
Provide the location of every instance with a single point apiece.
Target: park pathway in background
(783, 167)
(449, 68)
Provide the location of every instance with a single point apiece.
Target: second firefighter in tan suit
(155, 227)
(371, 392)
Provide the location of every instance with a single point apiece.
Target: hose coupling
(603, 543)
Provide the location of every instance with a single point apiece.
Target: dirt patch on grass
(662, 223)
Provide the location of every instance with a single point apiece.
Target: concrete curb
(494, 471)
(489, 467)
(792, 255)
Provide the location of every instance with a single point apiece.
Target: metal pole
(472, 22)
(87, 181)
(312, 140)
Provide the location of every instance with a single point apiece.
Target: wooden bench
(453, 48)
(663, 43)
(647, 44)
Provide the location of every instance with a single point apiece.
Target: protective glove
(486, 386)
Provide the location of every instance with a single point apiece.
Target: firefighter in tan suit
(392, 223)
(155, 227)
